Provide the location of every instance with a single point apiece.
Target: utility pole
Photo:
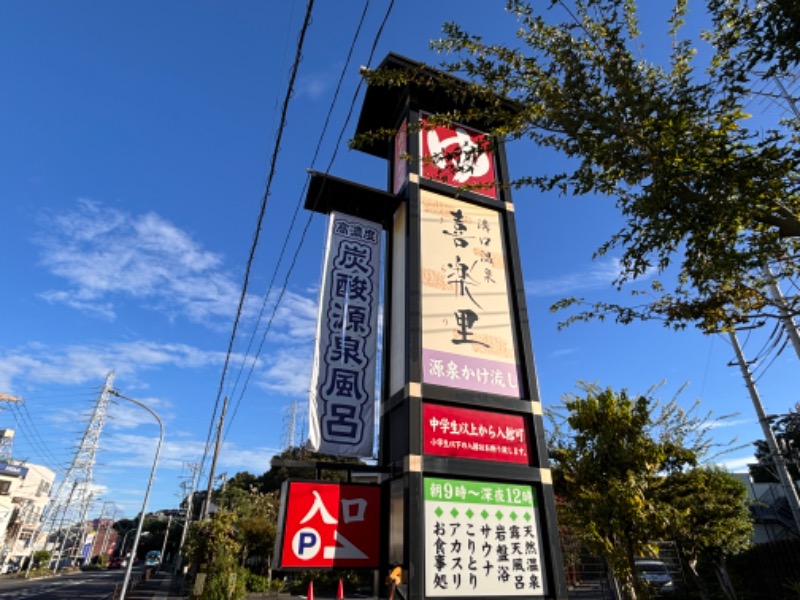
(7, 435)
(164, 545)
(780, 464)
(217, 446)
(9, 398)
(177, 563)
(783, 308)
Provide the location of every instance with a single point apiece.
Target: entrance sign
(325, 525)
(481, 539)
(342, 395)
(479, 434)
(467, 335)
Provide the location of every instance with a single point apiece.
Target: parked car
(152, 559)
(11, 567)
(656, 573)
(117, 562)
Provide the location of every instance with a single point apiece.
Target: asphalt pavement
(159, 586)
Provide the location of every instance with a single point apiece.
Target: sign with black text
(481, 539)
(342, 396)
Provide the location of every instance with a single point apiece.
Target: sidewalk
(160, 586)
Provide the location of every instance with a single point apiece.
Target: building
(769, 507)
(24, 495)
(102, 538)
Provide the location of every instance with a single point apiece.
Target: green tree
(770, 32)
(300, 467)
(611, 455)
(248, 505)
(214, 551)
(256, 517)
(787, 434)
(41, 558)
(709, 520)
(705, 198)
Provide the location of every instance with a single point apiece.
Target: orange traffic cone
(340, 591)
(310, 590)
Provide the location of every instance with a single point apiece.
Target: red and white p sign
(330, 525)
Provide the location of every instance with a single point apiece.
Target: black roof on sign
(327, 193)
(383, 105)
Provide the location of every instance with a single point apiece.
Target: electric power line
(336, 147)
(259, 221)
(284, 247)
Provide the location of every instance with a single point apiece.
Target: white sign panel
(481, 539)
(467, 320)
(342, 396)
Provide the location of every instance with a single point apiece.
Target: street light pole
(164, 546)
(129, 566)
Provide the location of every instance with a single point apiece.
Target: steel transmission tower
(7, 435)
(74, 493)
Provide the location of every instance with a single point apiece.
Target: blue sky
(135, 143)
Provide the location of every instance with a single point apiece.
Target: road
(89, 585)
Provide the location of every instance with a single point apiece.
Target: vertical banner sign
(467, 335)
(458, 156)
(342, 395)
(329, 525)
(481, 539)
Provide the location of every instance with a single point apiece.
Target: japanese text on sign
(468, 337)
(341, 406)
(481, 539)
(329, 524)
(470, 433)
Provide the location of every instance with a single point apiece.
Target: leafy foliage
(243, 530)
(617, 462)
(213, 548)
(770, 31)
(710, 519)
(700, 192)
(42, 557)
(278, 473)
(787, 433)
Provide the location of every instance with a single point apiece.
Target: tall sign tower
(469, 503)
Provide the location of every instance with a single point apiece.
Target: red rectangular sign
(458, 156)
(480, 434)
(330, 525)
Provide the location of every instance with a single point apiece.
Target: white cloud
(722, 423)
(601, 276)
(121, 450)
(105, 254)
(562, 352)
(737, 465)
(80, 364)
(288, 372)
(125, 450)
(298, 316)
(313, 86)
